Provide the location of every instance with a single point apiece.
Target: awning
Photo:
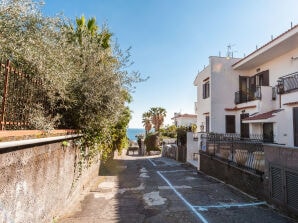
(263, 117)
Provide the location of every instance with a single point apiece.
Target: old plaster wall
(38, 183)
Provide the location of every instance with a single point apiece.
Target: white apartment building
(254, 95)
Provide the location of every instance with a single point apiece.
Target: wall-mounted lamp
(202, 127)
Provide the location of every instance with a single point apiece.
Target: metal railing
(19, 93)
(245, 153)
(248, 95)
(288, 83)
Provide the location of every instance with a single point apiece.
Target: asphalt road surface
(160, 190)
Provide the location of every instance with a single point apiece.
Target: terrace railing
(19, 94)
(248, 95)
(288, 83)
(245, 153)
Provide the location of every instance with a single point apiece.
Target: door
(295, 125)
(252, 88)
(264, 78)
(268, 132)
(244, 127)
(242, 89)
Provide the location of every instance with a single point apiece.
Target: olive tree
(84, 72)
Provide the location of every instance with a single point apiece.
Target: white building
(184, 119)
(240, 96)
(216, 85)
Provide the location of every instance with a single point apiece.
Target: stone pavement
(160, 190)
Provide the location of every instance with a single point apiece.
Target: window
(206, 90)
(207, 123)
(230, 124)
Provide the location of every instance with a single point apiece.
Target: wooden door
(244, 127)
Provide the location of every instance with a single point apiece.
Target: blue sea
(132, 132)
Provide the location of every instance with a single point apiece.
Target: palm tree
(157, 117)
(146, 120)
(89, 27)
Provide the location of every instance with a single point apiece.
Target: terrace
(288, 83)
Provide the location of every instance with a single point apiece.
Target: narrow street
(160, 190)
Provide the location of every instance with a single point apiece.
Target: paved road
(160, 190)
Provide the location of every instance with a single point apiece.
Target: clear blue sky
(171, 40)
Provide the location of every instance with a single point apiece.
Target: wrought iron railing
(288, 83)
(245, 153)
(248, 95)
(19, 93)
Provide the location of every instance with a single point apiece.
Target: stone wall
(38, 182)
(283, 159)
(244, 180)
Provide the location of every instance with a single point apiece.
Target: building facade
(254, 95)
(184, 119)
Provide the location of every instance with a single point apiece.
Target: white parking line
(174, 171)
(204, 220)
(205, 208)
(151, 162)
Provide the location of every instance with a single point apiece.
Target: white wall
(203, 105)
(186, 121)
(192, 147)
(225, 83)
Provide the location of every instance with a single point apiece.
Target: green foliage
(152, 142)
(169, 131)
(84, 73)
(182, 135)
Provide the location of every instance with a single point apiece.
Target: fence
(246, 153)
(20, 93)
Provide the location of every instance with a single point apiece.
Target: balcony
(248, 95)
(288, 83)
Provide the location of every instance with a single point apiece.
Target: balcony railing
(288, 83)
(248, 95)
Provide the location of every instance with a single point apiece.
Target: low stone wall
(38, 181)
(248, 182)
(278, 184)
(170, 151)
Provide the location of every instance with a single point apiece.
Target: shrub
(152, 142)
(182, 135)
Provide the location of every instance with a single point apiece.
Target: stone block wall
(245, 181)
(37, 183)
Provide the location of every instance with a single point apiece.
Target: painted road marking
(196, 209)
(204, 220)
(205, 208)
(174, 171)
(151, 162)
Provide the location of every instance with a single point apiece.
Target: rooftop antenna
(291, 25)
(230, 52)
